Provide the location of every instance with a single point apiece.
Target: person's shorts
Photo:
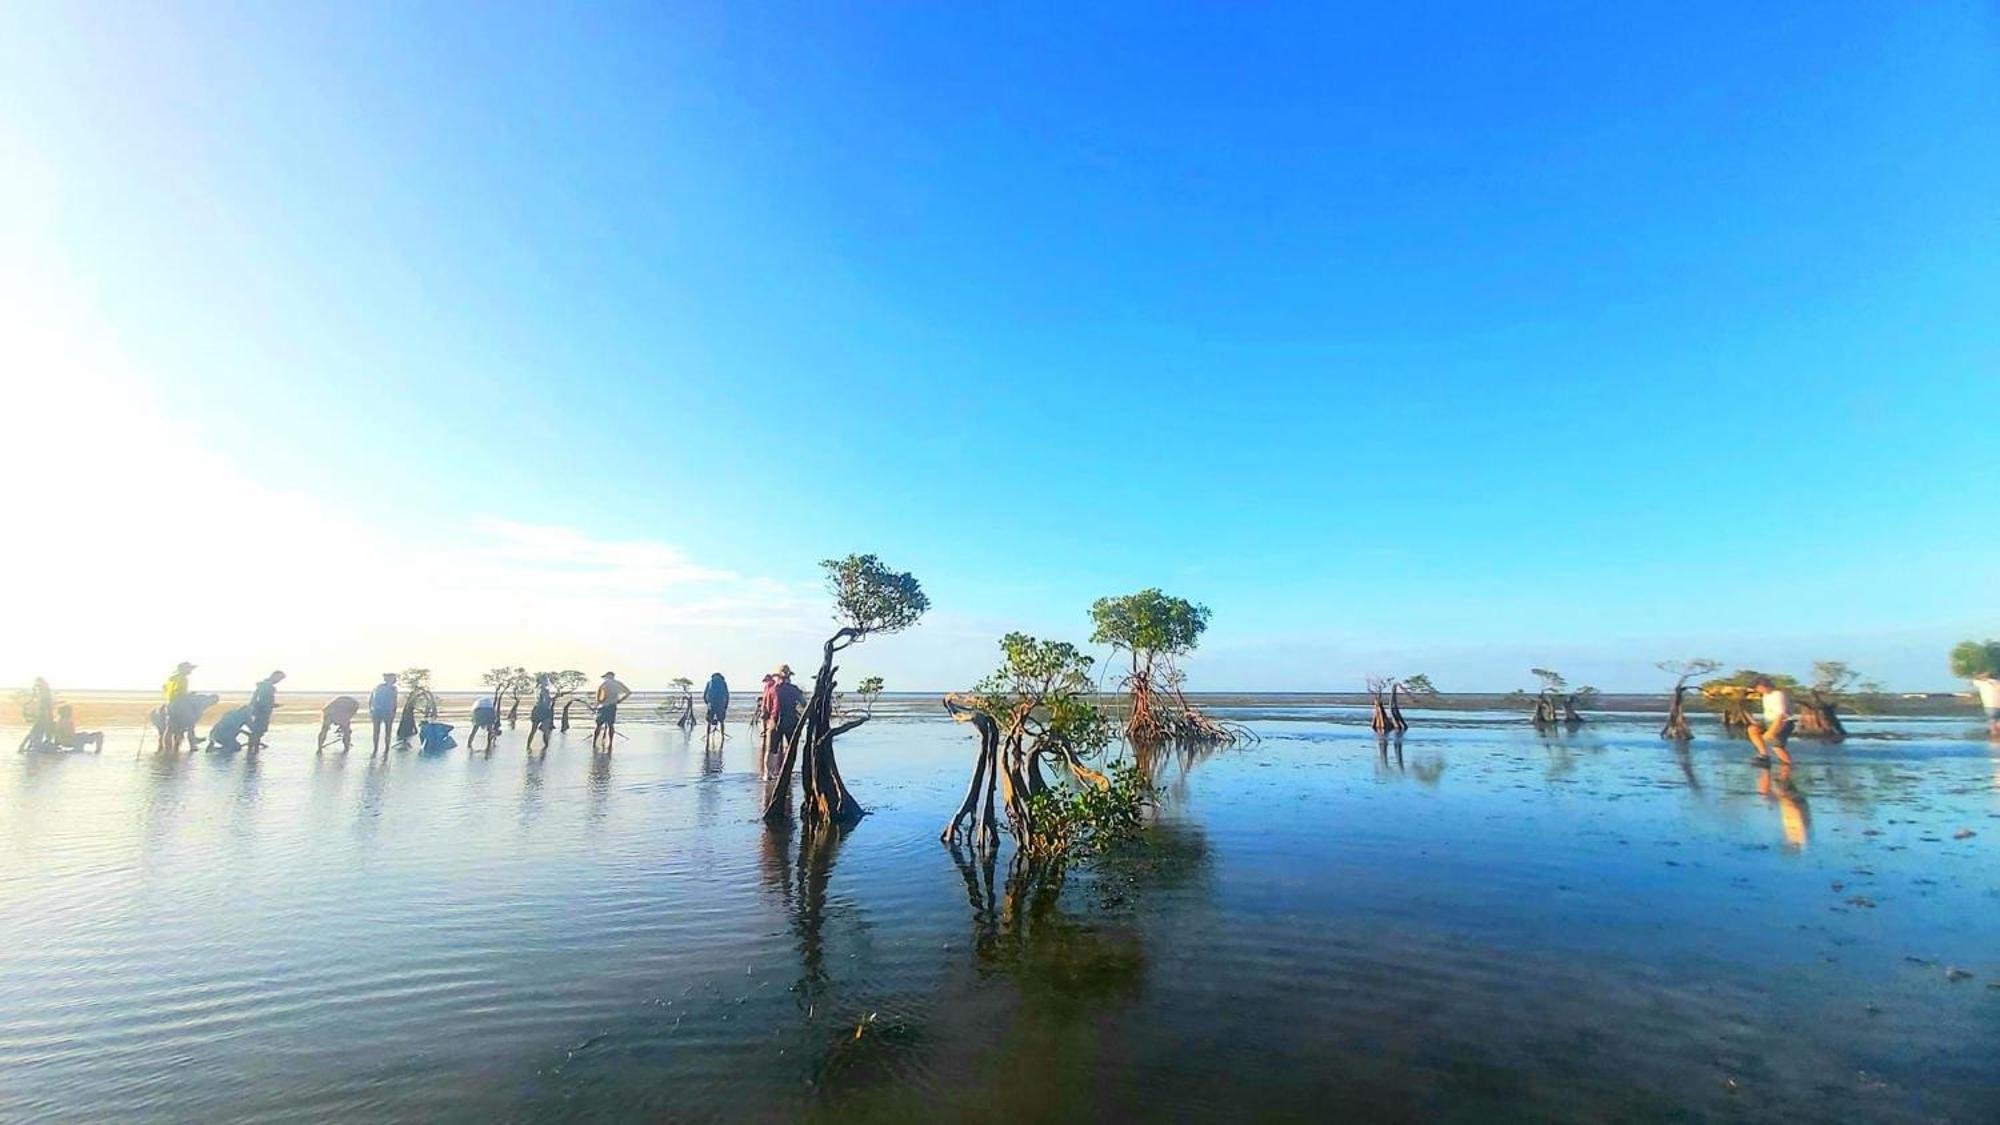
(381, 716)
(608, 714)
(717, 714)
(541, 717)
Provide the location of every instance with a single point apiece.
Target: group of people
(52, 725)
(542, 716)
(181, 708)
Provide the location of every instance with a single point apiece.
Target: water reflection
(533, 765)
(1775, 786)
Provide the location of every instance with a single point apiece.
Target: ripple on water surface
(1480, 922)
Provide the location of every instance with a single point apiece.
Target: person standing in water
(1777, 723)
(263, 701)
(786, 702)
(382, 714)
(716, 698)
(174, 690)
(543, 717)
(610, 694)
(1987, 684)
(41, 716)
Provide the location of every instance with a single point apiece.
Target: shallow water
(1491, 924)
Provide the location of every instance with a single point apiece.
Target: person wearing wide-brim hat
(174, 689)
(786, 700)
(610, 693)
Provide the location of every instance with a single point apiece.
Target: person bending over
(1770, 739)
(1987, 684)
(485, 719)
(228, 729)
(338, 715)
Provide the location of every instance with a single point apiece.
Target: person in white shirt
(1988, 686)
(610, 693)
(1777, 723)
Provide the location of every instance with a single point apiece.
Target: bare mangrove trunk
(1677, 729)
(1381, 723)
(1396, 719)
(1818, 718)
(1545, 712)
(1571, 719)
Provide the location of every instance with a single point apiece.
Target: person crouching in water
(263, 701)
(543, 717)
(69, 738)
(610, 694)
(224, 734)
(1777, 723)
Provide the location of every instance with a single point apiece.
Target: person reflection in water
(1793, 815)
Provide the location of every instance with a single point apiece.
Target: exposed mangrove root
(1168, 716)
(1008, 771)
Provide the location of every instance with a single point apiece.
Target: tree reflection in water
(1022, 1026)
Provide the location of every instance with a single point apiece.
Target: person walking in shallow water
(382, 714)
(1777, 723)
(716, 698)
(610, 694)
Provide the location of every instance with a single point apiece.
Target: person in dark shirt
(223, 735)
(263, 701)
(543, 717)
(716, 697)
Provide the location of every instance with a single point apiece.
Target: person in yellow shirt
(172, 728)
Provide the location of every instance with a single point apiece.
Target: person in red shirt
(767, 704)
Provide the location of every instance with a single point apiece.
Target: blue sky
(1441, 339)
